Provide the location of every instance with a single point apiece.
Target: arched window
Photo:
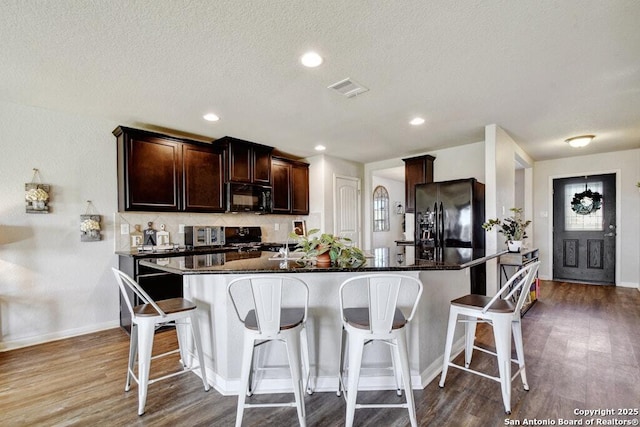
(380, 209)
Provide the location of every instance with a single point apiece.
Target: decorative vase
(514, 245)
(323, 260)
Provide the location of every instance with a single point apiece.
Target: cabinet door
(261, 164)
(417, 170)
(203, 177)
(300, 189)
(152, 174)
(240, 158)
(281, 197)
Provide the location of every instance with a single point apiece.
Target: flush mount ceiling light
(579, 141)
(320, 147)
(311, 59)
(210, 117)
(416, 121)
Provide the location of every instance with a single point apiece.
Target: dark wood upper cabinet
(162, 173)
(262, 164)
(417, 170)
(203, 177)
(149, 177)
(281, 196)
(290, 186)
(300, 188)
(247, 162)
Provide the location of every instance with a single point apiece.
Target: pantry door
(346, 212)
(584, 234)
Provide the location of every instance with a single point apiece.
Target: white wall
(501, 153)
(464, 161)
(386, 239)
(322, 170)
(626, 164)
(51, 284)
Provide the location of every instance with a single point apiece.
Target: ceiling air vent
(348, 88)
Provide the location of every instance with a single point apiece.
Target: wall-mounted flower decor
(90, 225)
(90, 228)
(36, 195)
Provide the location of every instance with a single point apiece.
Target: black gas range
(248, 239)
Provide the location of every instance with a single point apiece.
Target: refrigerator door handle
(436, 225)
(441, 230)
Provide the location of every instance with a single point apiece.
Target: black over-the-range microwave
(248, 198)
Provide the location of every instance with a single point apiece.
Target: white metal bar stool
(380, 319)
(258, 302)
(144, 320)
(502, 312)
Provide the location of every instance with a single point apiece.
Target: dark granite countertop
(182, 251)
(259, 262)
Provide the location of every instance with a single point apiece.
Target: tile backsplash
(172, 221)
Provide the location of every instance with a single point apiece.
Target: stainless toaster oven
(196, 236)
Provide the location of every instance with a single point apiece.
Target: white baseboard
(621, 284)
(318, 384)
(629, 285)
(55, 336)
(330, 383)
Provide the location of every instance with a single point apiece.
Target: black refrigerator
(449, 217)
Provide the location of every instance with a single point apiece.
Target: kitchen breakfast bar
(205, 280)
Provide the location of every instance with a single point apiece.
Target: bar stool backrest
(264, 294)
(124, 282)
(383, 291)
(519, 282)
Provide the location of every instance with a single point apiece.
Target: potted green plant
(328, 249)
(513, 228)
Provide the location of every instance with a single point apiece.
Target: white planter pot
(514, 245)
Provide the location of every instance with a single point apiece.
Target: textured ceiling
(542, 70)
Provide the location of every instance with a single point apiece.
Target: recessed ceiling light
(320, 147)
(417, 121)
(311, 59)
(579, 141)
(210, 117)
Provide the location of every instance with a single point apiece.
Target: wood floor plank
(582, 344)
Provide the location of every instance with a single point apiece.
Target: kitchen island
(205, 279)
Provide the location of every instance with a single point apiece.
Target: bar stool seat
(359, 318)
(258, 303)
(145, 318)
(376, 317)
(502, 312)
(289, 318)
(480, 301)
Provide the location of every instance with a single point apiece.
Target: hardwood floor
(582, 346)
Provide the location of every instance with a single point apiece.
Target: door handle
(609, 234)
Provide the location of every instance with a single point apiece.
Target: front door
(584, 229)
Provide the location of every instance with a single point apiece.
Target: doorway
(584, 229)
